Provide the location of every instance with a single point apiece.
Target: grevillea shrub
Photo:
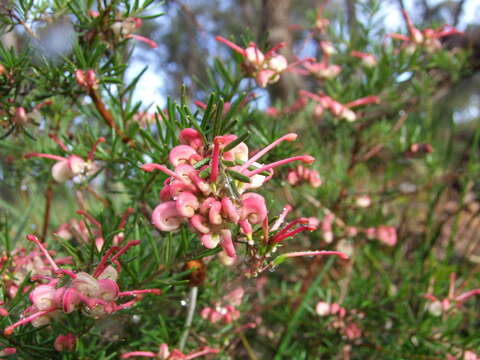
(235, 222)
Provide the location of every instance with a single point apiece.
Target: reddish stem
(215, 160)
(46, 216)
(202, 352)
(316, 253)
(275, 48)
(231, 45)
(143, 39)
(91, 219)
(103, 262)
(9, 330)
(307, 159)
(139, 292)
(364, 101)
(287, 137)
(284, 236)
(138, 353)
(108, 117)
(34, 239)
(124, 249)
(94, 148)
(152, 166)
(281, 218)
(58, 142)
(46, 156)
(125, 216)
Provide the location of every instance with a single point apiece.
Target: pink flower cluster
(65, 342)
(385, 234)
(428, 39)
(467, 355)
(72, 167)
(226, 312)
(86, 79)
(323, 69)
(301, 174)
(78, 229)
(367, 59)
(20, 264)
(207, 188)
(438, 307)
(124, 28)
(164, 353)
(95, 294)
(342, 320)
(264, 68)
(337, 109)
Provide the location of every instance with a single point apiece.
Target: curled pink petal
(143, 39)
(192, 138)
(253, 208)
(229, 210)
(108, 289)
(61, 171)
(181, 154)
(148, 354)
(206, 204)
(65, 342)
(214, 214)
(233, 46)
(166, 216)
(200, 223)
(226, 243)
(70, 300)
(187, 204)
(210, 240)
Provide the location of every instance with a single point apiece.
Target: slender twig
(46, 216)
(108, 117)
(192, 303)
(297, 316)
(458, 12)
(246, 344)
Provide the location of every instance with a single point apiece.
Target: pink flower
(95, 294)
(352, 331)
(340, 110)
(387, 235)
(165, 354)
(8, 351)
(65, 342)
(442, 306)
(166, 216)
(302, 174)
(198, 195)
(86, 79)
(470, 355)
(72, 166)
(368, 60)
(322, 308)
(264, 68)
(427, 39)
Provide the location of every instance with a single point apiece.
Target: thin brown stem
(48, 204)
(108, 117)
